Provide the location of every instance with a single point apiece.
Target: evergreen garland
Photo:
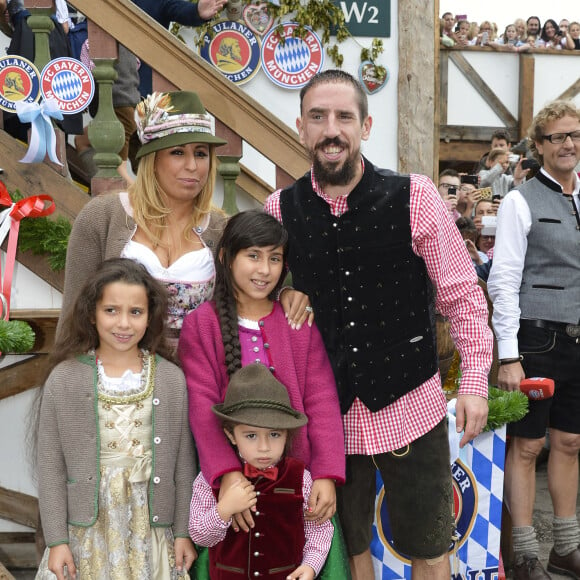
(16, 336)
(44, 236)
(504, 407)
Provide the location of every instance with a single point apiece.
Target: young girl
(115, 454)
(258, 419)
(244, 325)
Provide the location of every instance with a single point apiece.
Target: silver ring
(309, 309)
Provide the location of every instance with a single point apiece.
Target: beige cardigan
(68, 450)
(100, 232)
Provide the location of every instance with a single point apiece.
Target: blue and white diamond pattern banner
(290, 62)
(477, 476)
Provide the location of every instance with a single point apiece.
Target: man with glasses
(535, 288)
(449, 184)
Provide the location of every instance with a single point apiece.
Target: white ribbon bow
(42, 136)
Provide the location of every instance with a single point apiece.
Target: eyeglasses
(557, 138)
(447, 185)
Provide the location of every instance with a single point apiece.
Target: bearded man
(367, 245)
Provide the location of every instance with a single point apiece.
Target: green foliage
(44, 236)
(16, 336)
(505, 407)
(323, 16)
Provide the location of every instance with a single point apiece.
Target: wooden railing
(238, 116)
(467, 141)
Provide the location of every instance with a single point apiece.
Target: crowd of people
(518, 36)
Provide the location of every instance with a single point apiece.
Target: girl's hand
(185, 554)
(303, 572)
(238, 497)
(297, 308)
(322, 501)
(243, 520)
(58, 558)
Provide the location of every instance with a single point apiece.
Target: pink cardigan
(300, 363)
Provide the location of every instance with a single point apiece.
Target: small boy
(258, 420)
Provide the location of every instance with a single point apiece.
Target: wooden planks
(18, 507)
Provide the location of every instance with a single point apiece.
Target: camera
(489, 223)
(472, 179)
(530, 164)
(452, 191)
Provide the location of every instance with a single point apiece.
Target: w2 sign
(367, 17)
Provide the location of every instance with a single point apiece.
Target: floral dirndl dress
(121, 544)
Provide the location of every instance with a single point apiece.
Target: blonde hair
(551, 112)
(147, 199)
(496, 153)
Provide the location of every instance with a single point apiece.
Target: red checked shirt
(437, 241)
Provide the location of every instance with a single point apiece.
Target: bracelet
(509, 361)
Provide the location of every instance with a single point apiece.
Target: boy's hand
(303, 572)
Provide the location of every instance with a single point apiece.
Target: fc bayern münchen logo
(293, 62)
(19, 81)
(234, 50)
(68, 81)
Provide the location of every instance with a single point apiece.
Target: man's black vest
(372, 297)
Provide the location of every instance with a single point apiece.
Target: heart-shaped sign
(370, 80)
(258, 18)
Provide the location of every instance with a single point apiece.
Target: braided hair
(244, 230)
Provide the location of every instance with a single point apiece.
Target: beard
(328, 173)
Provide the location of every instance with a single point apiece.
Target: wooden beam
(470, 133)
(462, 150)
(19, 507)
(43, 323)
(17, 537)
(571, 91)
(437, 95)
(188, 71)
(483, 89)
(4, 574)
(22, 376)
(526, 99)
(19, 557)
(416, 87)
(249, 182)
(444, 86)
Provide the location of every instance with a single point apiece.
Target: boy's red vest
(273, 548)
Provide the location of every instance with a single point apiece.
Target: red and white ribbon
(33, 207)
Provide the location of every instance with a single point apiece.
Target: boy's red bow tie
(252, 472)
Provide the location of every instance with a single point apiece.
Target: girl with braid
(244, 325)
